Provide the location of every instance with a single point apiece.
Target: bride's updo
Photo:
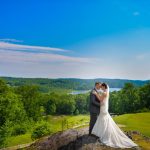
(104, 85)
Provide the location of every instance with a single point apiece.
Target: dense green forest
(24, 107)
(74, 84)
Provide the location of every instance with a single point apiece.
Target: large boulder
(72, 139)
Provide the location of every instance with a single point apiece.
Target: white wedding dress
(107, 130)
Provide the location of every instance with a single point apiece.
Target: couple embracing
(101, 123)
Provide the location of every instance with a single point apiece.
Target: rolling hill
(47, 84)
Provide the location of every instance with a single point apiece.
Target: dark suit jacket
(94, 106)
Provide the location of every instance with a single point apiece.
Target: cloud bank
(18, 47)
(122, 56)
(39, 61)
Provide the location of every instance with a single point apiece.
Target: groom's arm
(94, 101)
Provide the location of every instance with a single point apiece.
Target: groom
(94, 107)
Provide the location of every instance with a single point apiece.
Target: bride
(105, 128)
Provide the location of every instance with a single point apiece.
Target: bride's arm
(100, 98)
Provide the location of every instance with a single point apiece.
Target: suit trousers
(93, 118)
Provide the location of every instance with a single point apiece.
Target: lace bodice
(104, 104)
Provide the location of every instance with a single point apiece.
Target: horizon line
(74, 78)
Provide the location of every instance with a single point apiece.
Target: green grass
(139, 122)
(56, 125)
(73, 121)
(20, 139)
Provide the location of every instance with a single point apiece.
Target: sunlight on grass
(139, 122)
(73, 121)
(20, 139)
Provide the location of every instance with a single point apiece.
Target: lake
(86, 91)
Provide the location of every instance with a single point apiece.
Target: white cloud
(16, 63)
(119, 59)
(28, 48)
(56, 66)
(10, 40)
(125, 55)
(38, 61)
(143, 56)
(18, 57)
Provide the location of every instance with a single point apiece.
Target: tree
(66, 105)
(49, 102)
(130, 98)
(144, 93)
(11, 114)
(3, 86)
(114, 102)
(31, 99)
(5, 132)
(50, 107)
(81, 103)
(125, 101)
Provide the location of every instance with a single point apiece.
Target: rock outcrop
(71, 139)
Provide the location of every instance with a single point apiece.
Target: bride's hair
(105, 85)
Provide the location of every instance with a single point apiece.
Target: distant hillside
(69, 83)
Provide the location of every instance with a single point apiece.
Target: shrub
(76, 112)
(144, 110)
(19, 129)
(41, 130)
(5, 132)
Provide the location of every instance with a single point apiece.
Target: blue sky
(76, 38)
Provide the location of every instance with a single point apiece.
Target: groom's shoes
(93, 136)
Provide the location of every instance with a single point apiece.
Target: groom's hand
(93, 99)
(94, 92)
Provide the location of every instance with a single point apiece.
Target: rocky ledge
(72, 139)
